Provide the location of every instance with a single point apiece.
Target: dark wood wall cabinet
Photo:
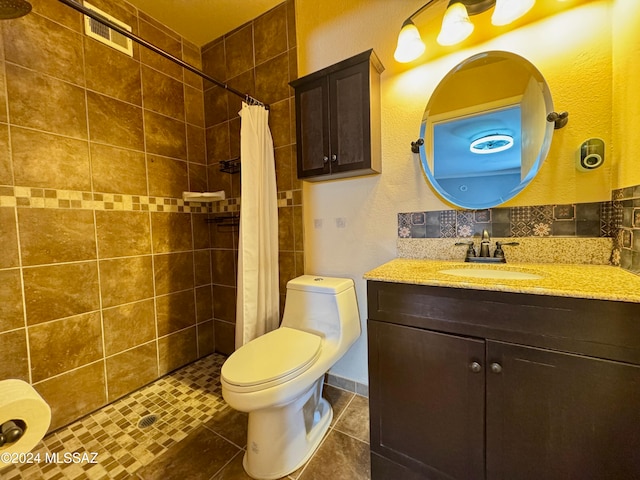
(338, 119)
(472, 385)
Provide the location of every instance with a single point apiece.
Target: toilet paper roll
(20, 401)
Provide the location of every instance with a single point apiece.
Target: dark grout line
(339, 417)
(226, 464)
(223, 437)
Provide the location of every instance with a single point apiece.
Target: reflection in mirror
(485, 130)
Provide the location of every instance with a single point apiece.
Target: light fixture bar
(420, 10)
(456, 25)
(475, 7)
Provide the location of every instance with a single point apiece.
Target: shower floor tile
(195, 435)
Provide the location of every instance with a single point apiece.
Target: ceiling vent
(106, 35)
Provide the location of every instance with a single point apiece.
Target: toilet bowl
(277, 378)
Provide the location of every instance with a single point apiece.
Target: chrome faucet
(485, 242)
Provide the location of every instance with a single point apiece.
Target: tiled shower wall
(108, 279)
(259, 58)
(105, 274)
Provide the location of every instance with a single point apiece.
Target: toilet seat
(271, 359)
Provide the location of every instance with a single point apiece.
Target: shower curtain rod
(106, 22)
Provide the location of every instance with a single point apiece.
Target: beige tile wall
(259, 58)
(105, 274)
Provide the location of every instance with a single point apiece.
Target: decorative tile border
(286, 198)
(29, 197)
(230, 205)
(574, 220)
(49, 198)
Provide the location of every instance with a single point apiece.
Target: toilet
(277, 378)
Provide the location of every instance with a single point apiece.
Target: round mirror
(485, 130)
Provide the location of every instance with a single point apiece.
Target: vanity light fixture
(410, 45)
(491, 144)
(456, 25)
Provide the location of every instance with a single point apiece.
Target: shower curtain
(258, 296)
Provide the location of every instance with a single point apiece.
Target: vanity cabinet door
(427, 403)
(553, 415)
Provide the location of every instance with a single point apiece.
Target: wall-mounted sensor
(591, 155)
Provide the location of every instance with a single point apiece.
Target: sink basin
(490, 274)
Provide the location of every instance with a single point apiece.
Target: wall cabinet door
(338, 119)
(554, 416)
(312, 99)
(350, 121)
(427, 402)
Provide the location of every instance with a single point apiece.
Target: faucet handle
(470, 251)
(499, 253)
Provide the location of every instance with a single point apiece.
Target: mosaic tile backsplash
(582, 220)
(618, 219)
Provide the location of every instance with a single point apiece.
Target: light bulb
(507, 11)
(456, 25)
(410, 45)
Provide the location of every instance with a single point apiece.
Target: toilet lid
(272, 358)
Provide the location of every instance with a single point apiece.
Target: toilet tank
(325, 306)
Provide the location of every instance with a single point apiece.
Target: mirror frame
(426, 130)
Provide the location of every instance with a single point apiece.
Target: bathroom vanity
(490, 377)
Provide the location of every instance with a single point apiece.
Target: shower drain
(147, 421)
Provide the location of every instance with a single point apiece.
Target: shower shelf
(230, 166)
(224, 219)
(203, 197)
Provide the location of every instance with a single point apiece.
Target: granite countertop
(580, 281)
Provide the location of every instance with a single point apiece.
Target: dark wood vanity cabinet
(338, 119)
(471, 385)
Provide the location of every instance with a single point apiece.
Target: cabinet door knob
(475, 367)
(334, 158)
(496, 367)
(325, 159)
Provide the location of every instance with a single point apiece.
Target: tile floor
(196, 436)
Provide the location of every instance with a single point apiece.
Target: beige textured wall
(626, 101)
(105, 279)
